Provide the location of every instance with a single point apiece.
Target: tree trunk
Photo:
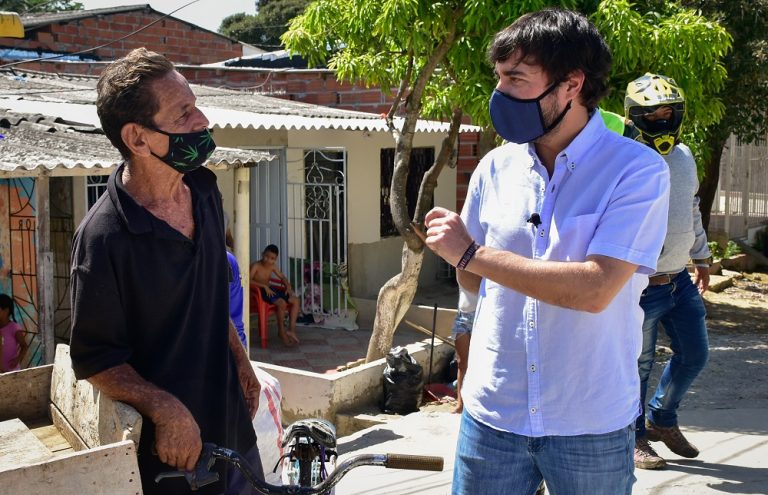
(394, 300)
(396, 295)
(708, 186)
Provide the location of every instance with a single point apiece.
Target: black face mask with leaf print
(187, 151)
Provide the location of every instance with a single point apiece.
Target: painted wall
(18, 257)
(312, 395)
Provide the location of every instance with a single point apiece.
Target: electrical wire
(12, 64)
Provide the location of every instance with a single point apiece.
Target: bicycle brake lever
(201, 476)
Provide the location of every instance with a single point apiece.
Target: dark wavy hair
(124, 95)
(6, 302)
(560, 41)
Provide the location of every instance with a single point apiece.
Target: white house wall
(372, 259)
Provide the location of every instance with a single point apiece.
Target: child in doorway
(260, 273)
(13, 345)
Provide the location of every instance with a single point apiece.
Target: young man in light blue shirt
(560, 230)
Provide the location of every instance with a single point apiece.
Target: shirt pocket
(571, 239)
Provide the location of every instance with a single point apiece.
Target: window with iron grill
(421, 160)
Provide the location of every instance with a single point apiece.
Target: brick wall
(182, 43)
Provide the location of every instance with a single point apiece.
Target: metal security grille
(741, 201)
(20, 194)
(317, 232)
(22, 262)
(95, 186)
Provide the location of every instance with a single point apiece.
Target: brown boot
(646, 457)
(672, 437)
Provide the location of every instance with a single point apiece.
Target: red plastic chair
(264, 309)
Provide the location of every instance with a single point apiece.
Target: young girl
(13, 345)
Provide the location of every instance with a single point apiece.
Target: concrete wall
(312, 395)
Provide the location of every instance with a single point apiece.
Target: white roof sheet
(225, 118)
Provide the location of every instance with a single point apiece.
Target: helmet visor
(658, 119)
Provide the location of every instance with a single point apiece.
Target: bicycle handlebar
(202, 475)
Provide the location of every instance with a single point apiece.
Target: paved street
(733, 443)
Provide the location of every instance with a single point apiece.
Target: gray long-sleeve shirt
(686, 238)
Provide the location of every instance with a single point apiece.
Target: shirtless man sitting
(260, 274)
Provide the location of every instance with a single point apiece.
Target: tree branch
(404, 142)
(429, 182)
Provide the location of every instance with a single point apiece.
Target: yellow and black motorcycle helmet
(656, 106)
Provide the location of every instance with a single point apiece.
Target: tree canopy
(670, 39)
(744, 95)
(264, 28)
(370, 42)
(30, 6)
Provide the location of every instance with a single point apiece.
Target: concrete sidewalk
(733, 459)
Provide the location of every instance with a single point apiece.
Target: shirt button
(533, 368)
(541, 233)
(533, 410)
(530, 324)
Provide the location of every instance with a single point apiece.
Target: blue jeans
(493, 462)
(679, 307)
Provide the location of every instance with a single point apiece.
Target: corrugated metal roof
(224, 108)
(30, 142)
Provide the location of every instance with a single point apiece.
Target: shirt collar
(138, 219)
(580, 147)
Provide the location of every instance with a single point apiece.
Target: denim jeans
(679, 307)
(493, 462)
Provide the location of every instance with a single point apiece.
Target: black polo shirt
(146, 295)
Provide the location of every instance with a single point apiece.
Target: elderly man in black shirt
(150, 317)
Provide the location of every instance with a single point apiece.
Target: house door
(268, 207)
(317, 231)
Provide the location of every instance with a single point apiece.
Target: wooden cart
(60, 436)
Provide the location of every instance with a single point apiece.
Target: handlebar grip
(416, 462)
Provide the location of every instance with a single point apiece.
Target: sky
(204, 13)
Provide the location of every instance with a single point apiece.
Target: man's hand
(251, 390)
(702, 278)
(268, 291)
(177, 436)
(446, 234)
(245, 374)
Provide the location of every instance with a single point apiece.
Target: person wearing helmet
(656, 106)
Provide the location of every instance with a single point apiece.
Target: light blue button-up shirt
(537, 369)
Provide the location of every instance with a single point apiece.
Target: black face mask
(521, 120)
(187, 151)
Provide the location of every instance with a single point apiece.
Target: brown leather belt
(660, 279)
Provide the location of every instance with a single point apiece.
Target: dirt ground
(737, 372)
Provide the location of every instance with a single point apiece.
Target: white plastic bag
(268, 424)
